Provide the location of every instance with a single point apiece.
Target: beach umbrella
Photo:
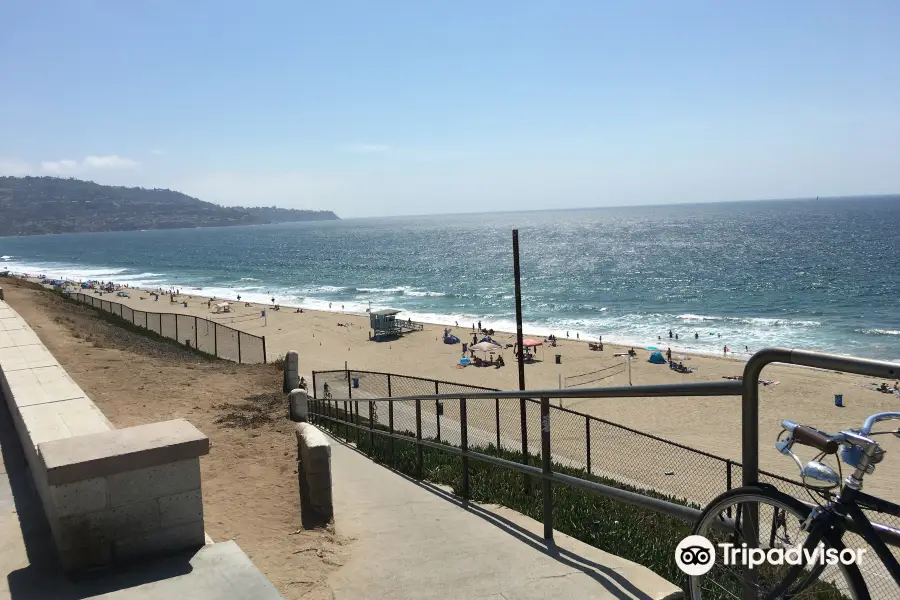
(530, 343)
(486, 347)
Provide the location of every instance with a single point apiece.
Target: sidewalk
(416, 541)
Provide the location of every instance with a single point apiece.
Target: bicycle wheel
(728, 520)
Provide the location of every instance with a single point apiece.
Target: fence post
(390, 415)
(419, 457)
(587, 437)
(177, 339)
(196, 333)
(437, 411)
(547, 468)
(264, 350)
(145, 319)
(239, 345)
(497, 422)
(464, 443)
(524, 433)
(372, 426)
(216, 339)
(728, 474)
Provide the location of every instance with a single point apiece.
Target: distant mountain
(38, 205)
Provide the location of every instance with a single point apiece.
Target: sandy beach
(326, 340)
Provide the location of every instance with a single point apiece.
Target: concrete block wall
(109, 495)
(314, 456)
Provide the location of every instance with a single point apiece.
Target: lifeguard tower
(384, 323)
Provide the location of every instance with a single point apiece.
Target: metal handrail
(714, 388)
(748, 388)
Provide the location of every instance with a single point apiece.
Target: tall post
(521, 357)
(196, 331)
(176, 330)
(239, 346)
(547, 468)
(264, 349)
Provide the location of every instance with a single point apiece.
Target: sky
(427, 106)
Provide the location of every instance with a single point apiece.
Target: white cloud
(14, 167)
(366, 148)
(110, 161)
(90, 163)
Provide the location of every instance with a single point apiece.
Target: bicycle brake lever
(784, 446)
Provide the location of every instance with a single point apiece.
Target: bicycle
(765, 518)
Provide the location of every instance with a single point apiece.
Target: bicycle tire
(765, 494)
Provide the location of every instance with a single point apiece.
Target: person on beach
(696, 336)
(746, 349)
(479, 325)
(670, 334)
(668, 355)
(725, 351)
(239, 297)
(676, 336)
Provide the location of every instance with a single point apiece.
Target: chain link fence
(205, 335)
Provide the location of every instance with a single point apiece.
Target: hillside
(39, 205)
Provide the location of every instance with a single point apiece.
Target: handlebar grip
(808, 436)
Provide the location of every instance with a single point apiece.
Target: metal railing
(201, 334)
(411, 415)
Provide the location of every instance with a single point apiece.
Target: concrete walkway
(416, 541)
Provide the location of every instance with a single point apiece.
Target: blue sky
(379, 108)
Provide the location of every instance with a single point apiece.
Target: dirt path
(249, 478)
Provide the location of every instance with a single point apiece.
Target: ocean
(808, 274)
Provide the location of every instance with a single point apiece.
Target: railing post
(497, 422)
(587, 439)
(239, 344)
(437, 411)
(215, 336)
(372, 426)
(419, 457)
(464, 444)
(315, 392)
(176, 331)
(390, 415)
(547, 468)
(728, 474)
(348, 419)
(524, 433)
(264, 350)
(196, 331)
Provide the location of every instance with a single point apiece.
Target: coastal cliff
(41, 205)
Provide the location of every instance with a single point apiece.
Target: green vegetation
(40, 205)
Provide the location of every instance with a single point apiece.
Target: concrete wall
(109, 495)
(314, 472)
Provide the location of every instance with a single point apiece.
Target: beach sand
(250, 491)
(326, 340)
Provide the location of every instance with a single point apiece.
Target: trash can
(839, 400)
(559, 359)
(356, 382)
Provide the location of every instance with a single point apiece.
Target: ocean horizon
(808, 274)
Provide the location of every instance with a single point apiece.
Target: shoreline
(258, 299)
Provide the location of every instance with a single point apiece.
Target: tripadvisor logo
(695, 555)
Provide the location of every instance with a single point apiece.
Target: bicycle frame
(846, 515)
